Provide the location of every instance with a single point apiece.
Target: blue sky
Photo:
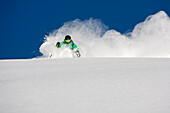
(24, 23)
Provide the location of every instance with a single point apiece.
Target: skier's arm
(75, 47)
(76, 50)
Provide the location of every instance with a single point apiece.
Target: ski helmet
(67, 37)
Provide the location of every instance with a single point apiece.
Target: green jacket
(70, 45)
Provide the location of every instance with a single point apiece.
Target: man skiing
(68, 43)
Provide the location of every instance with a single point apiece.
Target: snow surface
(85, 85)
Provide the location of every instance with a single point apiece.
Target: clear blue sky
(24, 23)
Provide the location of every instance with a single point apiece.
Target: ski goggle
(68, 41)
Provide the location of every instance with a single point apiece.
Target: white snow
(85, 85)
(150, 38)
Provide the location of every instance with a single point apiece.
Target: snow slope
(91, 85)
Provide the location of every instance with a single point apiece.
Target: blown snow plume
(150, 38)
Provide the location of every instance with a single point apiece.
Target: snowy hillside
(91, 85)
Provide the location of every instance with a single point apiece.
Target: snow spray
(150, 38)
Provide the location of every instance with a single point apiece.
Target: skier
(68, 43)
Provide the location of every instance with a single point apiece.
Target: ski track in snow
(85, 85)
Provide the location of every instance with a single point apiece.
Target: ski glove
(58, 43)
(78, 53)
